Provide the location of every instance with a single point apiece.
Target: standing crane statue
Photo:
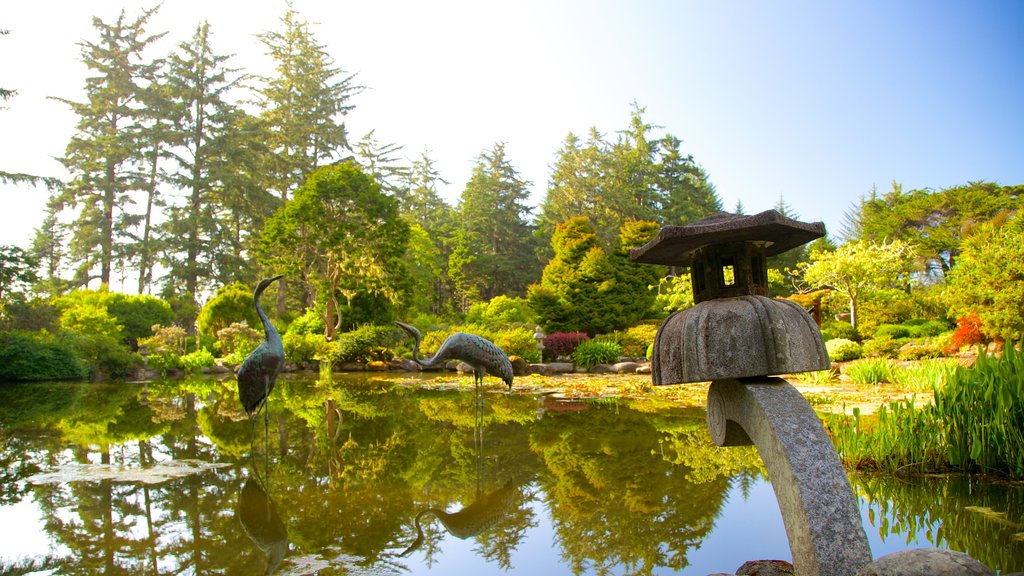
(259, 370)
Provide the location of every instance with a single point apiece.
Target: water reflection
(620, 487)
(260, 521)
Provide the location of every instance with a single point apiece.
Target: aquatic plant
(981, 410)
(870, 371)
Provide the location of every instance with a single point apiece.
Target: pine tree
(103, 156)
(198, 83)
(493, 251)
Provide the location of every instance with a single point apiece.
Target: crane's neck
(271, 333)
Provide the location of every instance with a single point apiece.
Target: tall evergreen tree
(422, 205)
(103, 155)
(302, 104)
(636, 177)
(494, 245)
(198, 83)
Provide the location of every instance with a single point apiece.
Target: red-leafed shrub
(967, 333)
(563, 343)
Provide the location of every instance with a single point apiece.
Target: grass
(870, 371)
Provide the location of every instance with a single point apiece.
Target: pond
(170, 477)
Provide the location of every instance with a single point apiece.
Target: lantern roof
(678, 245)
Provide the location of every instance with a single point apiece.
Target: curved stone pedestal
(818, 507)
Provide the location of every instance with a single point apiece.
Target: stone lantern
(734, 330)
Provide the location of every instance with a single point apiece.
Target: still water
(387, 475)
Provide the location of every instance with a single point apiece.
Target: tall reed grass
(975, 425)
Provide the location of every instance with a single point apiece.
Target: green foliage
(517, 342)
(494, 246)
(634, 340)
(837, 329)
(231, 304)
(842, 350)
(975, 425)
(195, 360)
(25, 356)
(983, 416)
(300, 347)
(501, 311)
(586, 289)
(137, 314)
(311, 322)
(238, 338)
(360, 345)
(674, 293)
(593, 352)
(925, 376)
(856, 269)
(635, 177)
(899, 436)
(105, 355)
(988, 280)
(341, 235)
(90, 319)
(881, 347)
(935, 221)
(870, 371)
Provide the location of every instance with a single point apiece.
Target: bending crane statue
(259, 370)
(478, 352)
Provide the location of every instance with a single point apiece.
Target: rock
(537, 369)
(351, 367)
(600, 369)
(625, 367)
(376, 366)
(765, 568)
(925, 562)
(560, 367)
(519, 365)
(407, 365)
(644, 369)
(463, 368)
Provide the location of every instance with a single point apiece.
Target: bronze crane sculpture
(478, 352)
(259, 370)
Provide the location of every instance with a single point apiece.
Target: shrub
(299, 347)
(967, 333)
(634, 340)
(363, 344)
(105, 355)
(892, 331)
(593, 352)
(26, 357)
(563, 343)
(914, 351)
(926, 328)
(871, 371)
(238, 336)
(193, 360)
(518, 342)
(881, 347)
(311, 322)
(837, 329)
(138, 314)
(841, 350)
(501, 311)
(232, 304)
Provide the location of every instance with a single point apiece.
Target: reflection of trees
(351, 464)
(615, 499)
(952, 512)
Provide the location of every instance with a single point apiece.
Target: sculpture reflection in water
(261, 522)
(486, 510)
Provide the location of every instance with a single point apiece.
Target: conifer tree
(103, 155)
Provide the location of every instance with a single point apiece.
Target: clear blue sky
(814, 101)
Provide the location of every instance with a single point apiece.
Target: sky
(816, 102)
